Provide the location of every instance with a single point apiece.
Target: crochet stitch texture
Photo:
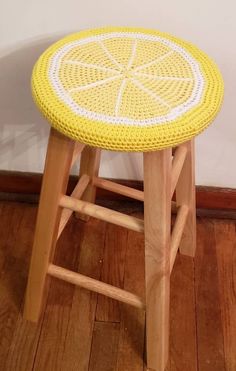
(127, 89)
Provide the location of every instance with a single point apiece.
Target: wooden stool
(85, 70)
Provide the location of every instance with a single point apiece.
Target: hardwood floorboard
(24, 345)
(208, 312)
(104, 347)
(59, 302)
(202, 331)
(132, 328)
(4, 232)
(183, 353)
(225, 234)
(81, 319)
(108, 310)
(16, 226)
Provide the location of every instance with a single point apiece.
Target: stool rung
(77, 151)
(102, 213)
(77, 193)
(118, 188)
(177, 165)
(177, 232)
(123, 190)
(95, 285)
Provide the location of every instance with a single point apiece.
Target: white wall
(28, 27)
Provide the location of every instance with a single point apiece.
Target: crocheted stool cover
(127, 89)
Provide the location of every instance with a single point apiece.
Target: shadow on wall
(23, 131)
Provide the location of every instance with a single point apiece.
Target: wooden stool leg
(185, 194)
(89, 165)
(157, 227)
(56, 173)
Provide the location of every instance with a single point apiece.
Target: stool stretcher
(96, 286)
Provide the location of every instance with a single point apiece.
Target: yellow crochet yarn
(127, 89)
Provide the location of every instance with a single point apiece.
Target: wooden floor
(83, 331)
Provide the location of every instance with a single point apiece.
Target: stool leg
(185, 194)
(89, 165)
(55, 179)
(157, 227)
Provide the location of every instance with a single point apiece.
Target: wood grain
(157, 229)
(112, 272)
(77, 193)
(132, 326)
(24, 345)
(101, 213)
(16, 238)
(57, 312)
(118, 188)
(4, 231)
(104, 347)
(208, 312)
(94, 285)
(89, 165)
(81, 320)
(56, 174)
(177, 165)
(183, 344)
(177, 232)
(225, 235)
(15, 185)
(213, 312)
(185, 195)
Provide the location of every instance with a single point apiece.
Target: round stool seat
(127, 89)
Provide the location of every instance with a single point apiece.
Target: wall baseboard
(25, 187)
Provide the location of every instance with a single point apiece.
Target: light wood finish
(185, 195)
(77, 151)
(118, 188)
(157, 217)
(177, 233)
(121, 189)
(77, 193)
(102, 213)
(56, 173)
(177, 165)
(161, 176)
(95, 285)
(89, 165)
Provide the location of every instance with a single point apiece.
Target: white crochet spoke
(155, 61)
(133, 53)
(150, 93)
(155, 77)
(94, 84)
(119, 96)
(109, 55)
(107, 74)
(91, 65)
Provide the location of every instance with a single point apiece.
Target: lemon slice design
(126, 78)
(127, 89)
